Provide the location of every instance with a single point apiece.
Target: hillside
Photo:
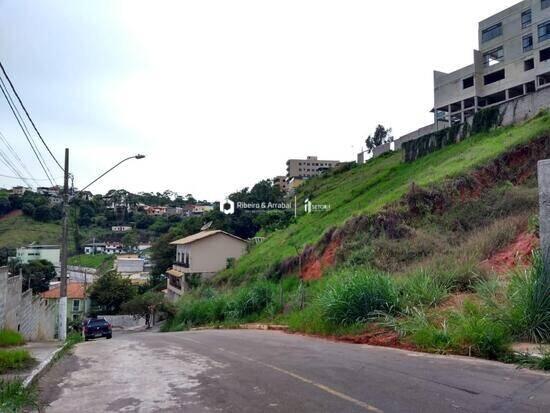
(16, 231)
(366, 189)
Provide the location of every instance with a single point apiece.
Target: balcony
(182, 264)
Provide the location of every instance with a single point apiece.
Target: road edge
(43, 366)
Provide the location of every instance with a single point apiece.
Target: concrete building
(19, 190)
(202, 255)
(201, 209)
(39, 252)
(513, 60)
(281, 182)
(307, 168)
(95, 248)
(121, 228)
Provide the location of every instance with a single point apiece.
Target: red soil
(516, 254)
(379, 337)
(313, 268)
(12, 214)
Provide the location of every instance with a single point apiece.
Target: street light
(62, 321)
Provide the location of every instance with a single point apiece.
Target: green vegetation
(22, 230)
(14, 397)
(366, 189)
(91, 261)
(14, 360)
(10, 338)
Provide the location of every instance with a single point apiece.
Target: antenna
(206, 226)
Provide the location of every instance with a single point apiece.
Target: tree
(110, 291)
(5, 205)
(37, 274)
(380, 137)
(28, 209)
(144, 304)
(42, 213)
(130, 240)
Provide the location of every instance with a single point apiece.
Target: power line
(23, 128)
(28, 115)
(21, 177)
(16, 157)
(4, 158)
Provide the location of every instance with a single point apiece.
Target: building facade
(39, 252)
(78, 304)
(202, 255)
(307, 168)
(513, 60)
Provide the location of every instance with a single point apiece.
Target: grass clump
(357, 295)
(11, 338)
(529, 300)
(14, 397)
(14, 360)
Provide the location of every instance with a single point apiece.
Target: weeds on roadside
(14, 397)
(11, 338)
(14, 360)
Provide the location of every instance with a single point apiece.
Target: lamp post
(62, 316)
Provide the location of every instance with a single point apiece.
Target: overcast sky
(219, 94)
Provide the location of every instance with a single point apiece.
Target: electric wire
(29, 116)
(15, 156)
(25, 131)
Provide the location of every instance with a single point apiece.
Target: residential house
(309, 167)
(281, 182)
(202, 255)
(113, 248)
(94, 248)
(201, 209)
(133, 267)
(19, 190)
(78, 302)
(155, 211)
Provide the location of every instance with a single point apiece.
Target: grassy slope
(90, 261)
(22, 230)
(368, 188)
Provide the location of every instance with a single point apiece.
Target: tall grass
(11, 338)
(356, 295)
(14, 397)
(529, 295)
(14, 360)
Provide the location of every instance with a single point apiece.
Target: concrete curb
(41, 367)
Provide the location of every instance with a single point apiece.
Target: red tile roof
(74, 290)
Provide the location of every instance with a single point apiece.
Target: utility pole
(64, 241)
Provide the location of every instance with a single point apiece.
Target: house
(307, 168)
(202, 255)
(77, 301)
(39, 252)
(133, 267)
(281, 182)
(19, 190)
(201, 209)
(155, 211)
(121, 228)
(95, 248)
(113, 248)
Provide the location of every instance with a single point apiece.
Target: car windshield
(97, 323)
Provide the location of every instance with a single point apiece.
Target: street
(264, 371)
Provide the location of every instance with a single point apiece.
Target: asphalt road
(264, 371)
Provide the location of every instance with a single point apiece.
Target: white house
(203, 255)
(121, 228)
(39, 252)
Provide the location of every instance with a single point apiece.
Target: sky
(219, 94)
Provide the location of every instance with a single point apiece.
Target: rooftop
(74, 290)
(201, 235)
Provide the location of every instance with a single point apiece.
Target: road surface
(264, 371)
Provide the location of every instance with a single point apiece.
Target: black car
(97, 327)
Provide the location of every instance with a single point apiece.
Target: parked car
(97, 327)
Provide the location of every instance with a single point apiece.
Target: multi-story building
(307, 168)
(39, 252)
(513, 60)
(281, 182)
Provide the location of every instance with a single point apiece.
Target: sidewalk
(43, 352)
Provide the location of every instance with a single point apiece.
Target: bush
(14, 359)
(357, 296)
(421, 289)
(529, 295)
(10, 338)
(250, 300)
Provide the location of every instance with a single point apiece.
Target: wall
(81, 274)
(123, 321)
(34, 317)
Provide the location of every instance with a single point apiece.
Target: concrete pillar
(544, 201)
(450, 118)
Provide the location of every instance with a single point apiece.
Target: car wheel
(86, 338)
(109, 336)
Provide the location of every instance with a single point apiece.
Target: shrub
(14, 396)
(356, 296)
(250, 300)
(10, 338)
(421, 289)
(14, 359)
(529, 295)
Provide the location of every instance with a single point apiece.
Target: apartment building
(513, 60)
(307, 168)
(281, 182)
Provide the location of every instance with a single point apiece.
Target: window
(525, 18)
(76, 306)
(545, 54)
(544, 4)
(468, 82)
(527, 43)
(494, 77)
(493, 57)
(492, 32)
(544, 31)
(529, 65)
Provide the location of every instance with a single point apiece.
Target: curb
(41, 367)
